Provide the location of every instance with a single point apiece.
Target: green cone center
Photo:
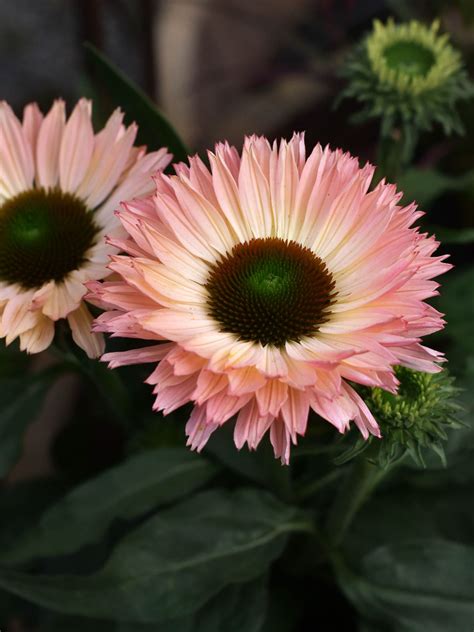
(409, 58)
(44, 235)
(270, 291)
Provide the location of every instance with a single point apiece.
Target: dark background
(218, 68)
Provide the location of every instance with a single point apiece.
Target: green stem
(361, 480)
(310, 489)
(107, 383)
(395, 151)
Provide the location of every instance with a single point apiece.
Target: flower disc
(44, 235)
(409, 57)
(270, 291)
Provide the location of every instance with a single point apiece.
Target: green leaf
(65, 623)
(107, 383)
(396, 516)
(367, 626)
(13, 608)
(237, 608)
(397, 594)
(13, 362)
(259, 466)
(153, 128)
(23, 503)
(457, 302)
(417, 586)
(144, 482)
(20, 401)
(425, 185)
(451, 235)
(174, 562)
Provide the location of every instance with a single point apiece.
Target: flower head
(275, 279)
(408, 73)
(414, 420)
(59, 187)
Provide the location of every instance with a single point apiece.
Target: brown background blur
(218, 68)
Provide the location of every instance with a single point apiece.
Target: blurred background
(218, 68)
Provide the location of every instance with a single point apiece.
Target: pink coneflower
(59, 187)
(276, 281)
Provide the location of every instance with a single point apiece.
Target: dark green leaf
(20, 401)
(397, 516)
(237, 608)
(451, 235)
(259, 465)
(13, 362)
(174, 562)
(245, 462)
(145, 481)
(457, 302)
(22, 504)
(417, 586)
(153, 128)
(66, 623)
(13, 608)
(425, 185)
(108, 383)
(366, 626)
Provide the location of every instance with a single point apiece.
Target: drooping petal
(39, 337)
(250, 426)
(80, 322)
(199, 429)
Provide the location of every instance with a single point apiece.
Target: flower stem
(361, 480)
(395, 151)
(108, 384)
(320, 483)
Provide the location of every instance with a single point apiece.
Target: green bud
(413, 421)
(407, 74)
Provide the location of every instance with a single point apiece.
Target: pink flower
(276, 280)
(59, 187)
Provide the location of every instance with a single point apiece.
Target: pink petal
(76, 147)
(250, 427)
(49, 143)
(32, 119)
(80, 322)
(153, 353)
(199, 429)
(16, 157)
(280, 440)
(271, 397)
